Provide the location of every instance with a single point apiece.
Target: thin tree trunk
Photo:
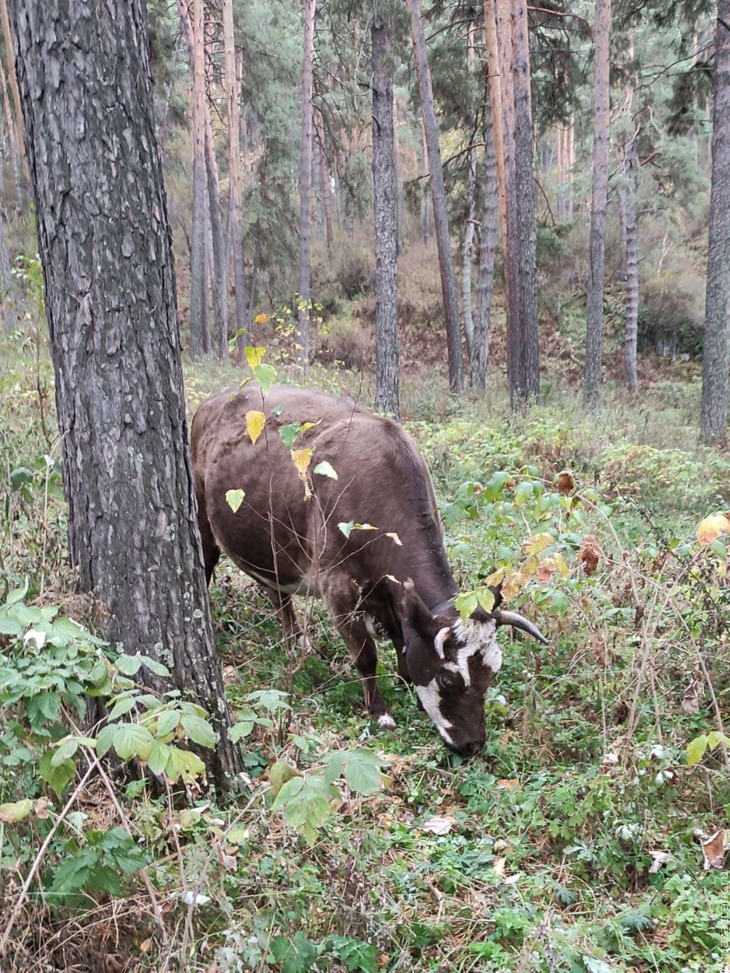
(110, 301)
(528, 369)
(386, 241)
(15, 146)
(235, 215)
(324, 181)
(601, 126)
(13, 80)
(198, 291)
(717, 297)
(471, 194)
(305, 184)
(487, 244)
(425, 196)
(627, 192)
(443, 239)
(218, 264)
(7, 288)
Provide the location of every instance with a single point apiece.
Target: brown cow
(291, 533)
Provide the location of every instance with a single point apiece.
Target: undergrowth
(584, 838)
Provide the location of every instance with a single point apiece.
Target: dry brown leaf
(691, 698)
(40, 808)
(499, 866)
(565, 482)
(659, 858)
(509, 785)
(713, 849)
(439, 824)
(599, 649)
(590, 554)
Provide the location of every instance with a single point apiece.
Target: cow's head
(452, 662)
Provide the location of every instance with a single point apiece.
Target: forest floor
(577, 841)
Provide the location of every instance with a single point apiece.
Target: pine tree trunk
(528, 368)
(386, 256)
(425, 196)
(324, 181)
(627, 203)
(440, 215)
(217, 263)
(199, 339)
(471, 195)
(10, 49)
(487, 244)
(597, 245)
(235, 213)
(305, 184)
(110, 298)
(15, 142)
(717, 297)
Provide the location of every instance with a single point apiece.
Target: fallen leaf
(599, 649)
(691, 698)
(659, 858)
(499, 866)
(589, 555)
(565, 482)
(509, 785)
(609, 760)
(438, 824)
(41, 808)
(713, 848)
(711, 528)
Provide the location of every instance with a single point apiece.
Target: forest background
(588, 839)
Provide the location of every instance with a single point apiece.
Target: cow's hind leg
(211, 551)
(294, 635)
(351, 626)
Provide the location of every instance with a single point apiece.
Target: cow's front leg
(351, 626)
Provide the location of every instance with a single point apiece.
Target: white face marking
(479, 637)
(431, 699)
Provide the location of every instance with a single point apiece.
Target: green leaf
(167, 721)
(234, 499)
(295, 955)
(306, 804)
(132, 740)
(465, 604)
(122, 706)
(288, 433)
(360, 768)
(129, 664)
(157, 760)
(57, 777)
(154, 665)
(182, 764)
(525, 491)
(17, 594)
(716, 738)
(64, 752)
(279, 773)
(325, 469)
(20, 477)
(199, 731)
(240, 730)
(105, 739)
(696, 749)
(266, 376)
(12, 813)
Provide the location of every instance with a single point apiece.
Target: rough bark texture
(597, 245)
(235, 215)
(471, 195)
(717, 298)
(305, 183)
(199, 335)
(12, 78)
(627, 203)
(386, 250)
(527, 376)
(440, 215)
(487, 245)
(110, 296)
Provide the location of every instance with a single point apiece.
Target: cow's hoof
(386, 721)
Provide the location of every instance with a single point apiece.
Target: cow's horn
(518, 621)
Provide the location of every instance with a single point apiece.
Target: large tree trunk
(438, 192)
(199, 334)
(527, 385)
(597, 246)
(487, 243)
(235, 215)
(717, 298)
(386, 255)
(305, 184)
(110, 298)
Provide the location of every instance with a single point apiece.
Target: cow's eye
(447, 680)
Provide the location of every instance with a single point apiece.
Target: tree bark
(235, 214)
(386, 239)
(527, 385)
(717, 296)
(440, 215)
(86, 89)
(487, 243)
(471, 196)
(199, 340)
(597, 246)
(305, 183)
(10, 49)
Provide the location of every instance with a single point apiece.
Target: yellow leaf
(509, 785)
(254, 356)
(234, 498)
(301, 459)
(711, 528)
(255, 422)
(306, 426)
(261, 319)
(537, 543)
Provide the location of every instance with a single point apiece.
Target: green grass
(546, 863)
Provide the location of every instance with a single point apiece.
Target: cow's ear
(415, 614)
